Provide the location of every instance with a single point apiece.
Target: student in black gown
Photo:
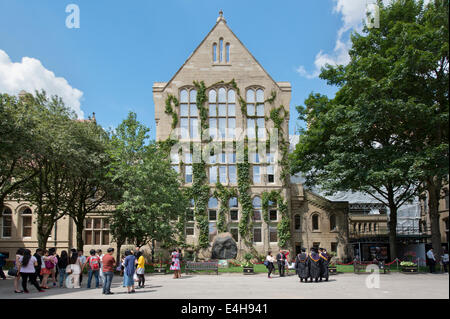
(301, 265)
(314, 262)
(324, 264)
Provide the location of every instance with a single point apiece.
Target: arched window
(257, 208)
(315, 222)
(220, 50)
(6, 222)
(255, 110)
(332, 222)
(214, 52)
(297, 221)
(26, 222)
(227, 54)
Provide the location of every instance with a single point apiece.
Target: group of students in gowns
(313, 265)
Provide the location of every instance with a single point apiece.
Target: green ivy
(284, 230)
(224, 195)
(169, 110)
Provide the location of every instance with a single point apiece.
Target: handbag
(266, 263)
(12, 272)
(68, 269)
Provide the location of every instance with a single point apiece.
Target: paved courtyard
(238, 286)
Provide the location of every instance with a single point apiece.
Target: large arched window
(222, 113)
(256, 208)
(189, 128)
(26, 221)
(332, 222)
(6, 222)
(315, 222)
(255, 113)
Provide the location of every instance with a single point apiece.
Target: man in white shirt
(431, 260)
(445, 260)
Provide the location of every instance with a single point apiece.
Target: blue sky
(122, 47)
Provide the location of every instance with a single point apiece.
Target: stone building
(242, 102)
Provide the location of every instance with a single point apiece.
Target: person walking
(281, 260)
(100, 273)
(82, 262)
(269, 263)
(38, 255)
(19, 254)
(27, 271)
(431, 260)
(444, 259)
(2, 264)
(108, 270)
(94, 267)
(128, 271)
(54, 259)
(175, 266)
(63, 262)
(73, 280)
(140, 270)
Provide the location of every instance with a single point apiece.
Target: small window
(273, 235)
(26, 222)
(257, 215)
(190, 215)
(297, 222)
(270, 174)
(227, 54)
(257, 236)
(6, 222)
(332, 222)
(214, 52)
(234, 214)
(315, 222)
(212, 215)
(189, 230)
(273, 215)
(334, 247)
(188, 174)
(235, 234)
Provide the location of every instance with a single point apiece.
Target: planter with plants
(408, 267)
(247, 266)
(332, 269)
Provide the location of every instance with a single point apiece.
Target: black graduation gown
(301, 265)
(314, 262)
(324, 266)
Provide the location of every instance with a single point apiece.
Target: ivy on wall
(224, 195)
(284, 229)
(169, 109)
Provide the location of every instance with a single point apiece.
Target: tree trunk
(393, 229)
(80, 228)
(434, 195)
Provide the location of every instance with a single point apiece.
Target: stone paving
(257, 286)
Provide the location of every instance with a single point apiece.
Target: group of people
(431, 260)
(313, 265)
(66, 269)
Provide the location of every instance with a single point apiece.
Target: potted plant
(247, 266)
(160, 268)
(332, 262)
(408, 267)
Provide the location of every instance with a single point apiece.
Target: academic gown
(324, 266)
(301, 264)
(314, 262)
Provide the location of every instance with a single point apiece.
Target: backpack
(94, 262)
(49, 264)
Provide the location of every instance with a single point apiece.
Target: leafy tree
(17, 148)
(372, 136)
(151, 198)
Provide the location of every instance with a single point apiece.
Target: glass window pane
(256, 202)
(235, 234)
(187, 158)
(273, 235)
(184, 110)
(223, 174)
(232, 174)
(251, 128)
(251, 109)
(88, 222)
(260, 110)
(97, 223)
(212, 203)
(256, 175)
(212, 215)
(189, 231)
(193, 96)
(188, 174)
(212, 110)
(231, 128)
(194, 128)
(270, 169)
(250, 96)
(213, 128)
(222, 127)
(212, 96)
(184, 128)
(88, 237)
(174, 158)
(213, 175)
(194, 111)
(222, 95)
(234, 215)
(105, 239)
(97, 234)
(220, 50)
(257, 235)
(259, 95)
(231, 158)
(231, 110)
(215, 52)
(227, 55)
(231, 96)
(223, 158)
(183, 96)
(256, 215)
(222, 110)
(176, 168)
(233, 202)
(273, 215)
(261, 128)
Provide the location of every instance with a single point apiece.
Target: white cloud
(31, 75)
(353, 13)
